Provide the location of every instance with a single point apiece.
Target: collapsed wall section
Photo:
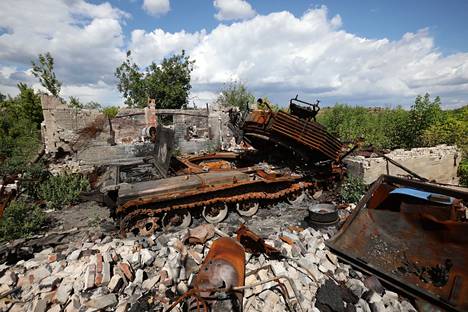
(89, 137)
(439, 163)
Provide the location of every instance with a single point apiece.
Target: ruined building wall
(85, 134)
(438, 163)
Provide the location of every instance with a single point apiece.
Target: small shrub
(352, 189)
(62, 190)
(110, 111)
(21, 220)
(463, 172)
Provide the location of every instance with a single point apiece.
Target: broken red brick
(126, 270)
(52, 258)
(287, 240)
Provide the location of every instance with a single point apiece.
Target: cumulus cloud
(280, 55)
(156, 7)
(233, 10)
(152, 46)
(86, 40)
(277, 55)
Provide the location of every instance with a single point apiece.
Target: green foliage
(74, 102)
(20, 119)
(44, 70)
(379, 127)
(425, 124)
(21, 220)
(448, 131)
(110, 111)
(92, 105)
(352, 189)
(168, 82)
(235, 94)
(463, 172)
(422, 115)
(62, 190)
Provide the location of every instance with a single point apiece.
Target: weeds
(463, 172)
(21, 219)
(352, 189)
(63, 190)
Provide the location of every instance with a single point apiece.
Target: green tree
(168, 82)
(2, 97)
(92, 105)
(235, 94)
(74, 102)
(422, 115)
(44, 70)
(29, 104)
(20, 119)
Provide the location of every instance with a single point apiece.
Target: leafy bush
(448, 131)
(111, 111)
(62, 190)
(463, 172)
(21, 220)
(380, 128)
(425, 124)
(352, 189)
(235, 94)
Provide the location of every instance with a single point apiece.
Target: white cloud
(86, 40)
(153, 46)
(233, 10)
(156, 7)
(278, 55)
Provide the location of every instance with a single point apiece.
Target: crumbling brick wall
(85, 134)
(439, 163)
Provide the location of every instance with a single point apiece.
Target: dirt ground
(86, 214)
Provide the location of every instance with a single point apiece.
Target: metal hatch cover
(417, 246)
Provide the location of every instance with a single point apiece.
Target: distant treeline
(425, 124)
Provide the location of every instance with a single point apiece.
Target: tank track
(139, 218)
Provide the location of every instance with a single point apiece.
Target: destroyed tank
(293, 157)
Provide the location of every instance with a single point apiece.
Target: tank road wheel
(179, 219)
(144, 227)
(247, 209)
(296, 198)
(215, 213)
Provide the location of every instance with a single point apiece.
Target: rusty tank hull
(146, 206)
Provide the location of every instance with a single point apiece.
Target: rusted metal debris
(218, 284)
(297, 133)
(213, 184)
(412, 236)
(255, 244)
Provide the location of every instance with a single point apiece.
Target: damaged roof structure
(250, 228)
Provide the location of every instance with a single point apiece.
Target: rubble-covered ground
(90, 268)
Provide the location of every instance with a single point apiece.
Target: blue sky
(375, 53)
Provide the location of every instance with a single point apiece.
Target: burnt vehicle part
(146, 206)
(219, 285)
(308, 112)
(412, 236)
(223, 267)
(323, 214)
(255, 244)
(307, 140)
